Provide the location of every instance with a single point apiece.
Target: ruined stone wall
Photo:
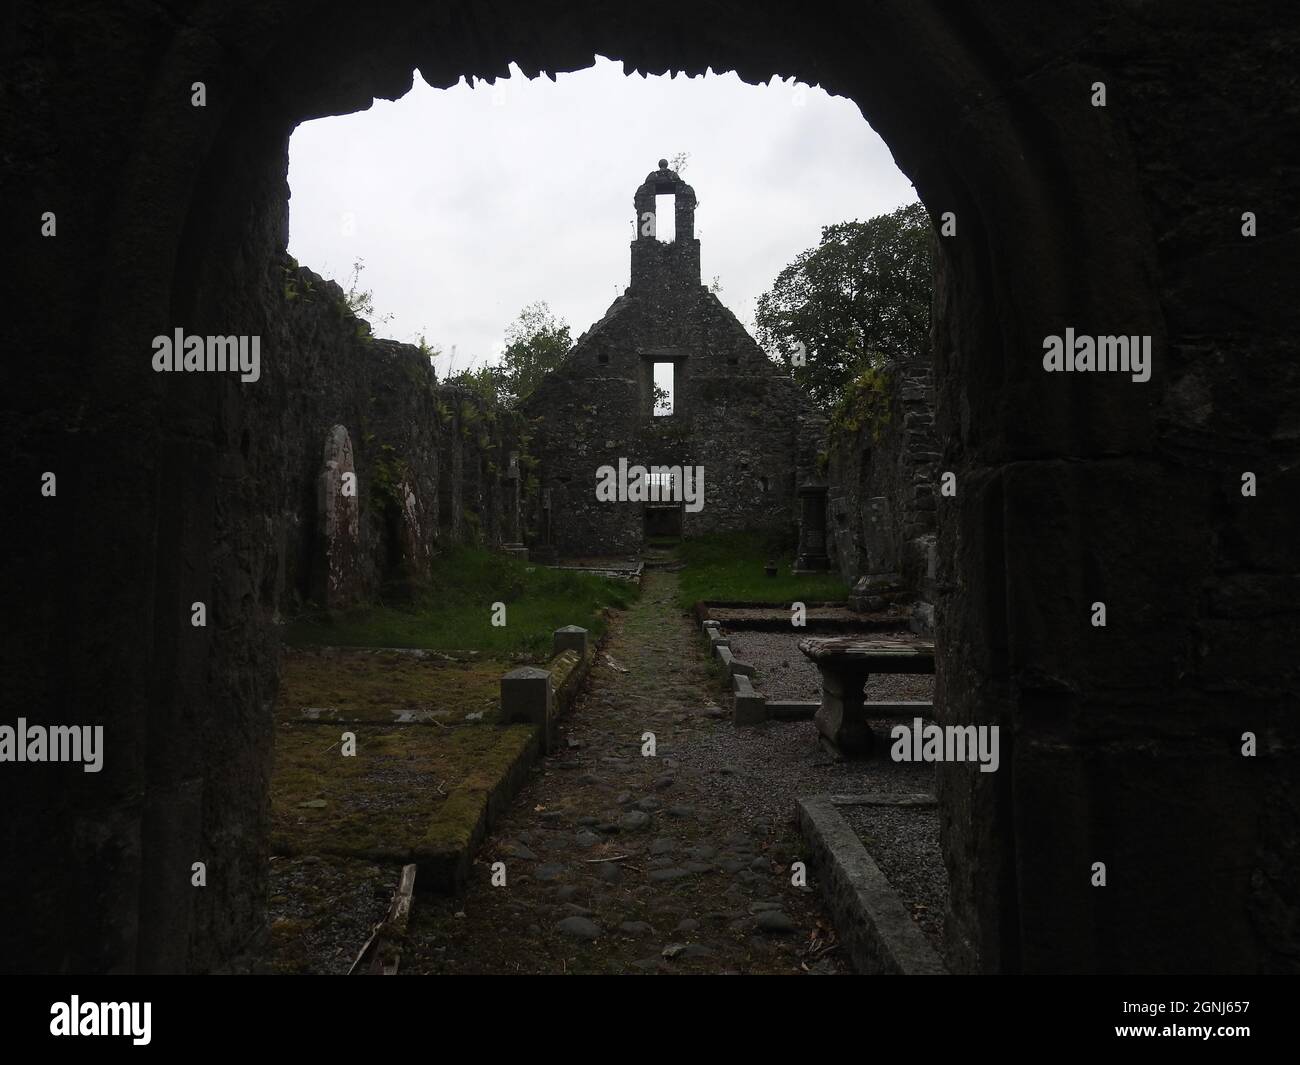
(883, 480)
(411, 440)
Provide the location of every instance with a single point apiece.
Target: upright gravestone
(410, 533)
(337, 577)
(526, 697)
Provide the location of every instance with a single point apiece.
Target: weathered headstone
(337, 578)
(411, 539)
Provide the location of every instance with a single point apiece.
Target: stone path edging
(876, 929)
(460, 825)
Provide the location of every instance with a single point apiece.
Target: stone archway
(1110, 220)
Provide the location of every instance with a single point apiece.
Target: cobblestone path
(620, 863)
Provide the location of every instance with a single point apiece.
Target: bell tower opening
(666, 217)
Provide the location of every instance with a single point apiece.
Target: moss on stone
(456, 823)
(391, 470)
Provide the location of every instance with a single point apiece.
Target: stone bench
(845, 663)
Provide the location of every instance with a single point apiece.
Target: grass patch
(455, 611)
(385, 687)
(378, 804)
(729, 567)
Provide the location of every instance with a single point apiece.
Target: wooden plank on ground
(382, 953)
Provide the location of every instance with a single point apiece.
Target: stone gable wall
(735, 412)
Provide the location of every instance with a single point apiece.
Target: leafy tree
(536, 343)
(860, 297)
(486, 381)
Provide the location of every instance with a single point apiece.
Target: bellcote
(656, 261)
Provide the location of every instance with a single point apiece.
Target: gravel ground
(619, 862)
(761, 772)
(322, 911)
(616, 860)
(785, 672)
(904, 841)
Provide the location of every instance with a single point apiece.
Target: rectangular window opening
(666, 217)
(665, 381)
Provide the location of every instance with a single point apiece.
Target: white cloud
(471, 202)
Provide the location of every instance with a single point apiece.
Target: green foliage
(536, 343)
(861, 297)
(730, 567)
(295, 285)
(487, 382)
(455, 612)
(390, 471)
(429, 351)
(864, 403)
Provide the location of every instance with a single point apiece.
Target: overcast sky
(468, 203)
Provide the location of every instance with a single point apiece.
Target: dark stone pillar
(842, 717)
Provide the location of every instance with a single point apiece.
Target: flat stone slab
(818, 619)
(845, 663)
(870, 656)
